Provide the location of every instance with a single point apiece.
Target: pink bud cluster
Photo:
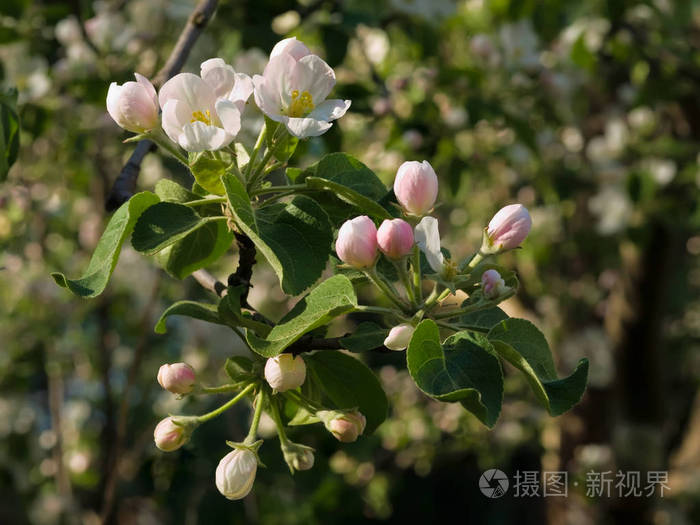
(359, 240)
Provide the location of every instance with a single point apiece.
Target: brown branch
(125, 184)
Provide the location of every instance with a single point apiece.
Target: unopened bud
(235, 473)
(133, 105)
(507, 229)
(298, 457)
(178, 378)
(345, 426)
(416, 187)
(285, 372)
(357, 242)
(395, 238)
(399, 337)
(170, 436)
(492, 284)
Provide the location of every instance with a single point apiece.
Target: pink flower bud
(416, 187)
(133, 105)
(492, 284)
(395, 238)
(178, 378)
(399, 337)
(357, 242)
(285, 372)
(508, 228)
(290, 46)
(346, 426)
(169, 436)
(235, 473)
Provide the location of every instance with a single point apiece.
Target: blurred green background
(586, 112)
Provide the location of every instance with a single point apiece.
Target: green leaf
(207, 171)
(106, 254)
(230, 312)
(197, 250)
(164, 224)
(364, 204)
(483, 319)
(349, 383)
(239, 368)
(303, 417)
(170, 191)
(464, 368)
(279, 141)
(331, 298)
(525, 347)
(366, 337)
(295, 237)
(202, 311)
(9, 131)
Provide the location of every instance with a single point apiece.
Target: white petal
(219, 75)
(197, 136)
(276, 90)
(265, 100)
(175, 117)
(190, 90)
(427, 237)
(149, 87)
(230, 116)
(330, 110)
(113, 109)
(306, 127)
(242, 90)
(312, 74)
(290, 46)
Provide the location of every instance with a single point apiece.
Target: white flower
(427, 237)
(294, 92)
(204, 113)
(290, 46)
(399, 337)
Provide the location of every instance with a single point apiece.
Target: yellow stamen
(301, 104)
(198, 116)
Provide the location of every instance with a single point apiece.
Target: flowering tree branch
(125, 184)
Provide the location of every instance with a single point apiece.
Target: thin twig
(125, 184)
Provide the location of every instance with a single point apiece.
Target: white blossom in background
(613, 209)
(519, 43)
(662, 170)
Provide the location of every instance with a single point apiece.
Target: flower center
(301, 104)
(198, 116)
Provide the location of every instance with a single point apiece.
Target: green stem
(164, 142)
(481, 305)
(256, 149)
(385, 288)
(204, 202)
(300, 399)
(275, 413)
(417, 278)
(260, 170)
(379, 310)
(479, 257)
(406, 280)
(219, 389)
(223, 408)
(252, 433)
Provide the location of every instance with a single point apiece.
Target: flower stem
(275, 413)
(385, 288)
(259, 402)
(204, 202)
(221, 389)
(256, 149)
(406, 280)
(300, 399)
(223, 408)
(415, 264)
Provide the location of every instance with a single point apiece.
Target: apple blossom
(285, 372)
(507, 229)
(178, 378)
(235, 473)
(492, 284)
(416, 187)
(399, 337)
(133, 105)
(169, 436)
(294, 93)
(345, 426)
(291, 46)
(204, 113)
(395, 238)
(357, 242)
